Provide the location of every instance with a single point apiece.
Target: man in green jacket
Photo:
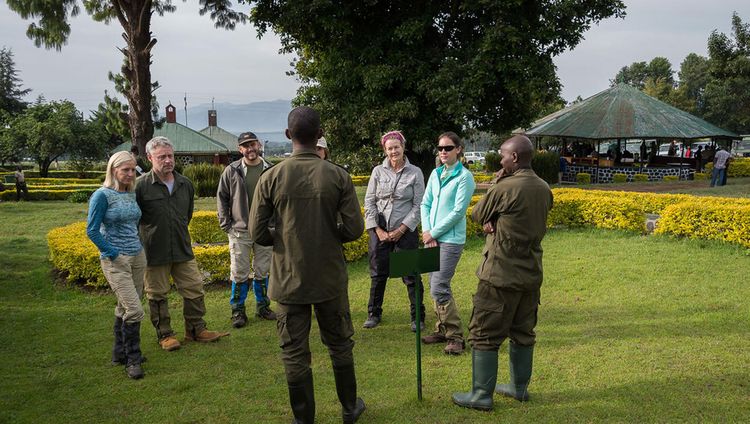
(166, 201)
(308, 197)
(514, 217)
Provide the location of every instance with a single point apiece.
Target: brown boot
(204, 336)
(434, 338)
(454, 347)
(169, 343)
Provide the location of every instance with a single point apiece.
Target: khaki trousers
(125, 276)
(240, 247)
(186, 276)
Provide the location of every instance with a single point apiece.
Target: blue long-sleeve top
(113, 223)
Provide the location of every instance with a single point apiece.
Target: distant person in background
(653, 152)
(113, 227)
(392, 213)
(699, 159)
(643, 151)
(21, 184)
(721, 160)
(563, 169)
(321, 148)
(234, 197)
(672, 149)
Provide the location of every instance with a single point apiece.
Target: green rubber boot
(483, 379)
(520, 364)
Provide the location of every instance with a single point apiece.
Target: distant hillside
(257, 117)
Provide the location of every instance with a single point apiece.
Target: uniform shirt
(517, 205)
(307, 194)
(399, 203)
(251, 174)
(165, 218)
(112, 223)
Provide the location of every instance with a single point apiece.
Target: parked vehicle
(741, 147)
(472, 157)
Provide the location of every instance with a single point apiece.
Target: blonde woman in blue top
(113, 227)
(446, 198)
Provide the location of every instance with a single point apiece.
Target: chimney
(171, 114)
(212, 118)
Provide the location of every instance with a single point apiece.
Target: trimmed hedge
(640, 178)
(546, 165)
(52, 194)
(583, 178)
(620, 178)
(713, 219)
(66, 174)
(738, 167)
(671, 178)
(72, 252)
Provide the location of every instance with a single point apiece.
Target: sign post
(415, 262)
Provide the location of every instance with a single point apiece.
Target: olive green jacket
(307, 196)
(517, 205)
(165, 218)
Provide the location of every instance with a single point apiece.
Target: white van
(474, 157)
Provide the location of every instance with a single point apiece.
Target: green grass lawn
(631, 329)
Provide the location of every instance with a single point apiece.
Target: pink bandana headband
(392, 135)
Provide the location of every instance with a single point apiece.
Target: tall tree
(134, 16)
(659, 68)
(694, 75)
(428, 66)
(726, 96)
(44, 131)
(11, 93)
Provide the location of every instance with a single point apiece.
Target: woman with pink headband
(392, 203)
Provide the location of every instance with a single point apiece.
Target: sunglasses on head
(445, 148)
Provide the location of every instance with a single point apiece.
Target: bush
(701, 176)
(546, 165)
(583, 178)
(738, 167)
(205, 178)
(80, 196)
(640, 178)
(58, 193)
(360, 180)
(620, 178)
(671, 178)
(492, 161)
(714, 219)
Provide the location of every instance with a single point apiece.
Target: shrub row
(73, 253)
(97, 175)
(715, 218)
(63, 181)
(62, 193)
(738, 167)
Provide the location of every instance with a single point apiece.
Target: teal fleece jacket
(445, 202)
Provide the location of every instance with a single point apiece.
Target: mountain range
(263, 117)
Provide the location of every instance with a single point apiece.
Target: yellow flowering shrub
(640, 178)
(483, 178)
(712, 219)
(73, 253)
(620, 178)
(738, 167)
(360, 180)
(671, 178)
(583, 178)
(44, 194)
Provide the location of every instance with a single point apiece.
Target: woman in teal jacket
(444, 205)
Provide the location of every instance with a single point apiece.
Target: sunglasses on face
(445, 148)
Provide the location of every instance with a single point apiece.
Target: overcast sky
(193, 57)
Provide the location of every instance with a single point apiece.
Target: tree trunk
(135, 18)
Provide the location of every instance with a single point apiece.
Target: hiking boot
(454, 347)
(434, 338)
(414, 326)
(239, 319)
(135, 371)
(265, 313)
(372, 321)
(204, 336)
(169, 343)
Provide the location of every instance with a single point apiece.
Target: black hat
(246, 137)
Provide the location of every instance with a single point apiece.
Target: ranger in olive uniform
(514, 216)
(307, 196)
(166, 201)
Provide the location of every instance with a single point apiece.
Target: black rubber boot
(132, 340)
(346, 388)
(118, 349)
(483, 379)
(521, 359)
(302, 399)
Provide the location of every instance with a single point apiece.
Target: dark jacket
(517, 205)
(165, 218)
(307, 195)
